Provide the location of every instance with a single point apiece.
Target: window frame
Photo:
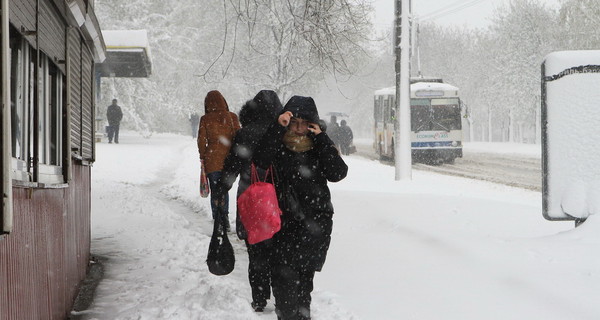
(21, 95)
(39, 160)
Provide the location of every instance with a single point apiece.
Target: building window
(50, 114)
(47, 109)
(22, 85)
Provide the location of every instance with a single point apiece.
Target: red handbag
(259, 209)
(204, 186)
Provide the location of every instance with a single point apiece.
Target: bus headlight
(454, 143)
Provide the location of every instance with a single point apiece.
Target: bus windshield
(435, 114)
(447, 116)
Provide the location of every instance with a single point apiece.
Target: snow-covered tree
(579, 21)
(289, 46)
(238, 47)
(497, 69)
(523, 34)
(164, 101)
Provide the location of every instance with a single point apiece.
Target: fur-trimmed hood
(264, 107)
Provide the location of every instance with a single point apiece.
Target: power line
(434, 12)
(449, 9)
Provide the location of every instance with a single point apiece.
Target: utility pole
(402, 144)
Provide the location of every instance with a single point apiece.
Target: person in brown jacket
(215, 133)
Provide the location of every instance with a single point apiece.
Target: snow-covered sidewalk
(437, 247)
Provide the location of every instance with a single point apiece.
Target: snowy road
(513, 170)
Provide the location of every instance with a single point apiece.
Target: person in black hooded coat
(304, 159)
(255, 116)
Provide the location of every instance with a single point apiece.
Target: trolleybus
(436, 121)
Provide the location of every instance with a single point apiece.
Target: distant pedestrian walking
(114, 115)
(215, 134)
(345, 137)
(194, 121)
(333, 131)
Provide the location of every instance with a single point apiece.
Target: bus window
(420, 115)
(388, 112)
(377, 113)
(392, 108)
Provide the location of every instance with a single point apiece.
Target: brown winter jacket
(216, 130)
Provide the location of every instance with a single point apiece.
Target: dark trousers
(292, 288)
(259, 271)
(113, 132)
(194, 130)
(213, 180)
(345, 148)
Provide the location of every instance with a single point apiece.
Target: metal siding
(75, 86)
(45, 258)
(42, 206)
(22, 14)
(52, 34)
(55, 254)
(80, 201)
(87, 118)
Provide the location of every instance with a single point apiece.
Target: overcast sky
(472, 13)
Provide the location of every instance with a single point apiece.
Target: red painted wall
(44, 259)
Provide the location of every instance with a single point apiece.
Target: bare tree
(289, 45)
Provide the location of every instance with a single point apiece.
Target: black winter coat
(255, 116)
(301, 183)
(114, 115)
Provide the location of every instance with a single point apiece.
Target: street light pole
(402, 144)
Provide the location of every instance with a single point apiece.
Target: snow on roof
(118, 39)
(432, 86)
(386, 91)
(559, 61)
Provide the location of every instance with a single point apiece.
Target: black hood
(303, 108)
(265, 106)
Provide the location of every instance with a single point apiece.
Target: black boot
(227, 225)
(258, 306)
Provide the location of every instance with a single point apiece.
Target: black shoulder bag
(220, 259)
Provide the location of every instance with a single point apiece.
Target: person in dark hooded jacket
(304, 159)
(255, 116)
(346, 137)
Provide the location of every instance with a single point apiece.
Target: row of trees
(498, 69)
(237, 47)
(326, 49)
